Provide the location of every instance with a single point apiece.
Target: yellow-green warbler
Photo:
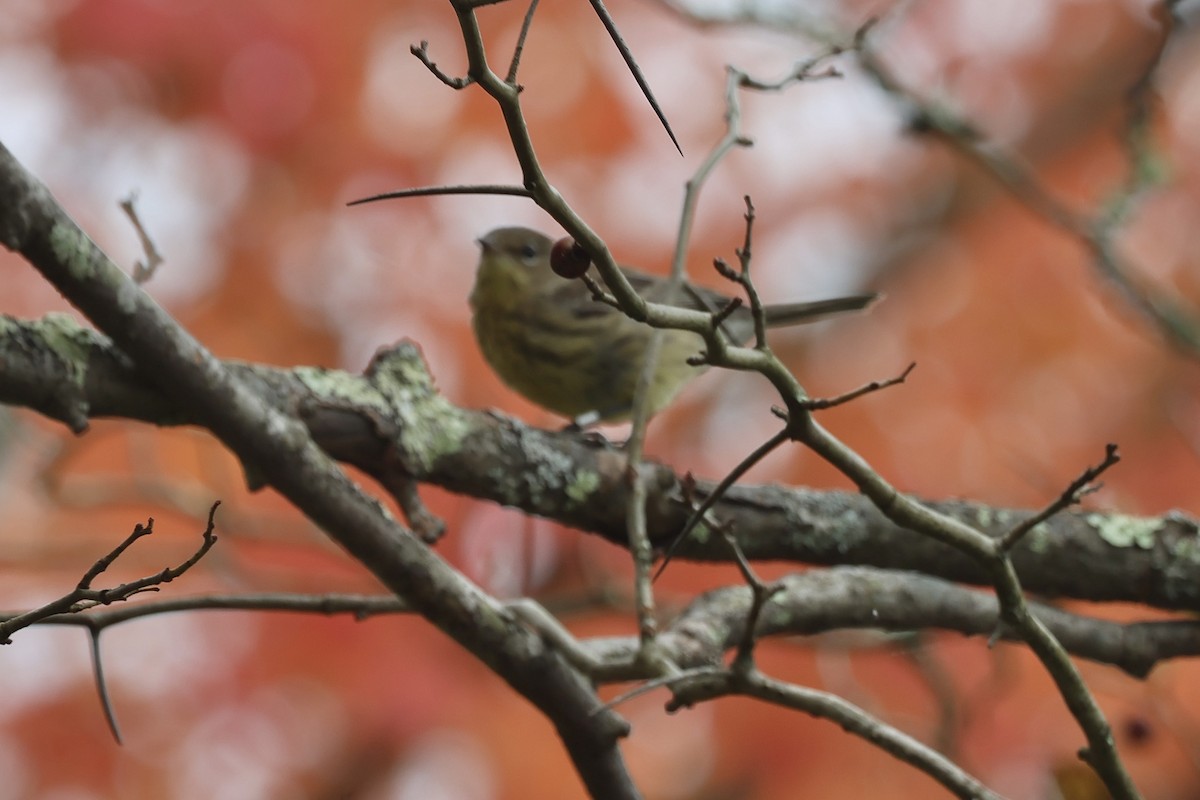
(547, 338)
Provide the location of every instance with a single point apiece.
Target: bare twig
(421, 51)
(106, 704)
(610, 25)
(747, 284)
(424, 523)
(735, 474)
(427, 191)
(1070, 496)
(823, 705)
(519, 48)
(84, 596)
(818, 404)
(761, 594)
(668, 681)
(142, 270)
(639, 541)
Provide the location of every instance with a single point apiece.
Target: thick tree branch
(393, 414)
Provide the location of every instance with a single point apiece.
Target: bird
(551, 341)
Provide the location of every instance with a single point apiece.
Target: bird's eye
(527, 252)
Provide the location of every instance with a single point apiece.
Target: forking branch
(803, 428)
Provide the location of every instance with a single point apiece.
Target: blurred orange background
(245, 128)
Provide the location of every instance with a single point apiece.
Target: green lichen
(1038, 537)
(341, 387)
(86, 263)
(69, 340)
(72, 247)
(581, 486)
(1122, 530)
(983, 517)
(399, 387)
(701, 533)
(990, 519)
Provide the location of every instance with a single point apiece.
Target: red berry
(568, 259)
